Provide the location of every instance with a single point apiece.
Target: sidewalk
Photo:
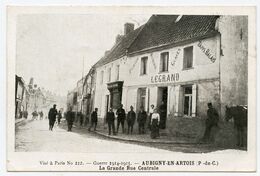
(22, 120)
(165, 136)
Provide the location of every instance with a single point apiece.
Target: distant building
(19, 96)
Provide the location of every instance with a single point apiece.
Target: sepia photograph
(131, 89)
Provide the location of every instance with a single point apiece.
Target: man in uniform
(70, 118)
(111, 121)
(52, 116)
(94, 120)
(120, 118)
(211, 121)
(141, 119)
(131, 116)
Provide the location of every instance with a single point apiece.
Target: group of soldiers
(156, 120)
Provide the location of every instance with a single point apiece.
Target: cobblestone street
(35, 137)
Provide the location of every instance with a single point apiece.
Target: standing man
(41, 115)
(211, 121)
(94, 120)
(141, 119)
(111, 121)
(52, 116)
(151, 110)
(70, 118)
(25, 114)
(163, 114)
(59, 116)
(131, 116)
(120, 118)
(80, 115)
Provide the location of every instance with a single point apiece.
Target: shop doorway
(162, 105)
(187, 106)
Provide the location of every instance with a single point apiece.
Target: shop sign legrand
(165, 78)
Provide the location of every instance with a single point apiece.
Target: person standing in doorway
(155, 121)
(70, 118)
(163, 114)
(111, 121)
(94, 120)
(52, 117)
(131, 116)
(120, 118)
(211, 121)
(141, 119)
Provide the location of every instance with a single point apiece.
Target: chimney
(107, 52)
(129, 27)
(118, 38)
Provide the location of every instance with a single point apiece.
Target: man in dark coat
(59, 116)
(211, 121)
(52, 116)
(94, 120)
(141, 119)
(80, 116)
(131, 116)
(120, 118)
(70, 118)
(111, 121)
(163, 114)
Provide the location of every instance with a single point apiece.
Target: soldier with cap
(211, 121)
(131, 116)
(141, 119)
(52, 117)
(120, 118)
(70, 118)
(111, 121)
(94, 120)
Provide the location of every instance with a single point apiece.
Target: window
(101, 77)
(144, 65)
(117, 72)
(187, 100)
(142, 97)
(109, 75)
(188, 57)
(164, 62)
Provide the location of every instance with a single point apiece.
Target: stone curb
(23, 121)
(139, 141)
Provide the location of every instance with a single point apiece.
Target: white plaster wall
(203, 67)
(234, 60)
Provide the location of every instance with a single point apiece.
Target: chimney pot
(129, 27)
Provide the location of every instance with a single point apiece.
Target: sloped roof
(163, 30)
(120, 48)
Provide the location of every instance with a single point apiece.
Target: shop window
(144, 65)
(187, 57)
(109, 75)
(101, 77)
(117, 72)
(164, 62)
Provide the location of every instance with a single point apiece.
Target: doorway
(162, 102)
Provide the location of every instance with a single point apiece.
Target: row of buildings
(184, 61)
(30, 98)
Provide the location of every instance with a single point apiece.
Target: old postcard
(132, 89)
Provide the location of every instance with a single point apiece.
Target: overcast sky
(51, 47)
